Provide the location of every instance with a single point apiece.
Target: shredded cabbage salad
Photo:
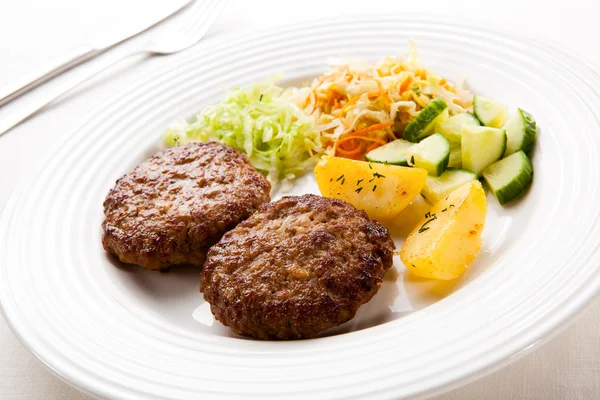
(358, 107)
(277, 136)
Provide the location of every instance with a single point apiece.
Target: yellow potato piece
(383, 191)
(447, 240)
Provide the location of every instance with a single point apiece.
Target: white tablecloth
(32, 31)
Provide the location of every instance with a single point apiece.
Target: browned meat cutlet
(173, 207)
(296, 267)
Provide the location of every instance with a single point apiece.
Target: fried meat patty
(173, 207)
(296, 267)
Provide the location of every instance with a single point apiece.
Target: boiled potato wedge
(381, 190)
(447, 240)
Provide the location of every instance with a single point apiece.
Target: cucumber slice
(451, 128)
(424, 124)
(395, 152)
(431, 154)
(455, 159)
(489, 112)
(520, 133)
(509, 177)
(481, 146)
(437, 188)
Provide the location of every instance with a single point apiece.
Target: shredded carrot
(349, 153)
(365, 138)
(442, 82)
(405, 84)
(373, 128)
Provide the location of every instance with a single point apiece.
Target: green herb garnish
(358, 190)
(378, 175)
(340, 177)
(432, 217)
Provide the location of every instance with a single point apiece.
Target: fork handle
(64, 63)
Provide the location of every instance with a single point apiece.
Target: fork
(193, 25)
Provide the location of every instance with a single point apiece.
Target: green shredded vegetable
(280, 140)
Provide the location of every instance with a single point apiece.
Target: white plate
(122, 332)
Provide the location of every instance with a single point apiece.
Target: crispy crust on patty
(296, 267)
(173, 207)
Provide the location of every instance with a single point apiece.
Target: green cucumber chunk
(451, 128)
(431, 154)
(481, 146)
(424, 123)
(520, 133)
(395, 152)
(509, 177)
(437, 188)
(455, 159)
(489, 112)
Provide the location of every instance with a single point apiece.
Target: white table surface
(33, 31)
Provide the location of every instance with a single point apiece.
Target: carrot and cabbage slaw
(359, 107)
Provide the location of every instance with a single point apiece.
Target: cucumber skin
(475, 118)
(529, 136)
(414, 130)
(530, 131)
(443, 166)
(514, 189)
(400, 163)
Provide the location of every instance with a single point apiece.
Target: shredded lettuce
(259, 120)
